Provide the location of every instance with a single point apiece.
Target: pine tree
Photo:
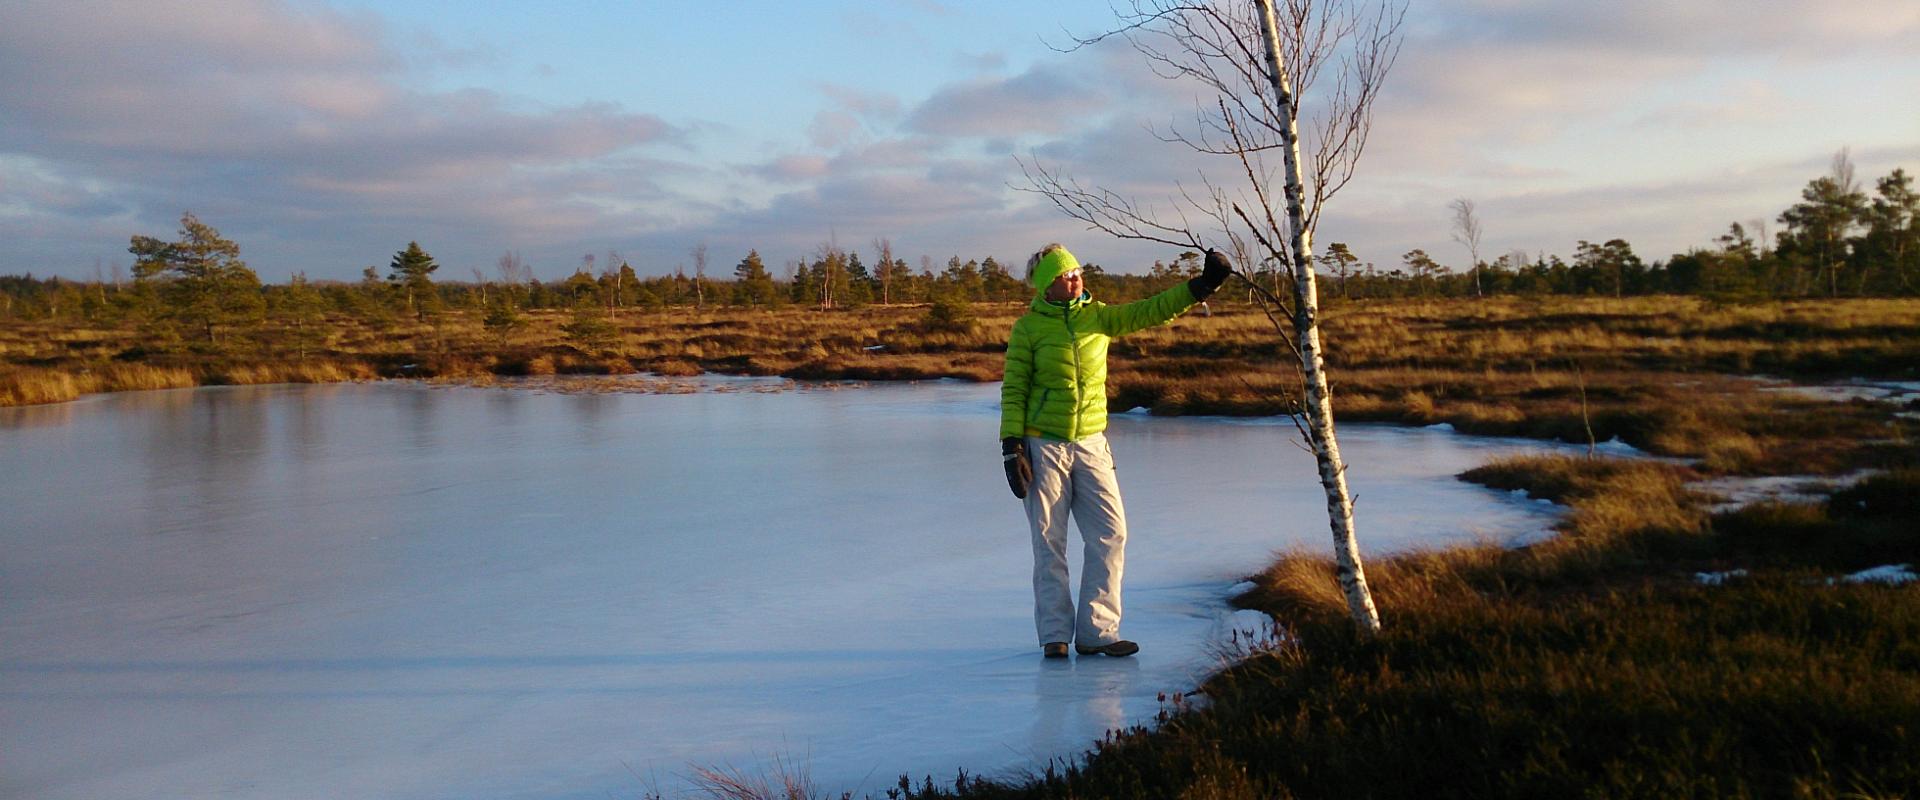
(1341, 260)
(411, 269)
(754, 282)
(205, 284)
(1893, 230)
(1817, 227)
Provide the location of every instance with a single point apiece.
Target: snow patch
(1718, 578)
(1847, 391)
(1890, 574)
(1615, 447)
(1440, 426)
(1248, 620)
(1736, 492)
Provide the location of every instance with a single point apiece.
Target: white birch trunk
(1326, 450)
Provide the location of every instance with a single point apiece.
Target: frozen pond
(399, 591)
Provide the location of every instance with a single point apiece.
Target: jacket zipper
(1073, 346)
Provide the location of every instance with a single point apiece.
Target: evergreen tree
(303, 309)
(629, 285)
(1817, 226)
(998, 283)
(412, 269)
(581, 287)
(1893, 232)
(1422, 267)
(963, 278)
(204, 283)
(753, 284)
(1611, 265)
(1340, 261)
(502, 320)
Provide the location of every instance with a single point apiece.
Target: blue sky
(323, 136)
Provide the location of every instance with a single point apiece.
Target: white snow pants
(1077, 478)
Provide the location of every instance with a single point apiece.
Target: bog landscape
(1586, 522)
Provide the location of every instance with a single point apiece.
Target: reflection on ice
(397, 591)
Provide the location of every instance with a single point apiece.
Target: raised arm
(1162, 307)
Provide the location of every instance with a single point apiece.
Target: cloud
(1478, 77)
(793, 168)
(1746, 103)
(297, 122)
(1045, 99)
(831, 129)
(309, 135)
(1705, 28)
(993, 61)
(869, 105)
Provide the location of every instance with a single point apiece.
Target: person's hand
(1013, 451)
(1218, 268)
(1212, 277)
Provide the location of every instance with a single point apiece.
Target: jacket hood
(1056, 263)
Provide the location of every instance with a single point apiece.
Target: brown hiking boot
(1054, 650)
(1117, 649)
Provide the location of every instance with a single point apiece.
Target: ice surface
(1846, 391)
(397, 591)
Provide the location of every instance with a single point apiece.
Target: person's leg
(1103, 529)
(1049, 499)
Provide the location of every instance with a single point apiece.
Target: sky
(324, 135)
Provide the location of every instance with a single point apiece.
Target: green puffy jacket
(1056, 371)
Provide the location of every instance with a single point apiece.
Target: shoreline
(1589, 662)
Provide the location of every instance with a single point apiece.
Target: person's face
(1068, 286)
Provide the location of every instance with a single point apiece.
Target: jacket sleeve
(1155, 310)
(1016, 383)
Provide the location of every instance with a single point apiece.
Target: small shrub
(950, 313)
(590, 331)
(503, 320)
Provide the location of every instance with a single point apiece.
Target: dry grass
(1658, 373)
(1619, 512)
(788, 781)
(1588, 665)
(38, 386)
(35, 386)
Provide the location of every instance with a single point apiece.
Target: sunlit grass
(1662, 373)
(1591, 664)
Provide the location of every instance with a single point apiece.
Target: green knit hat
(1055, 263)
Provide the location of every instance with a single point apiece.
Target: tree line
(1838, 240)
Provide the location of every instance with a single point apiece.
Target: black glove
(1211, 278)
(1013, 451)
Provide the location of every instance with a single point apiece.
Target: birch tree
(1259, 64)
(699, 256)
(1466, 230)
